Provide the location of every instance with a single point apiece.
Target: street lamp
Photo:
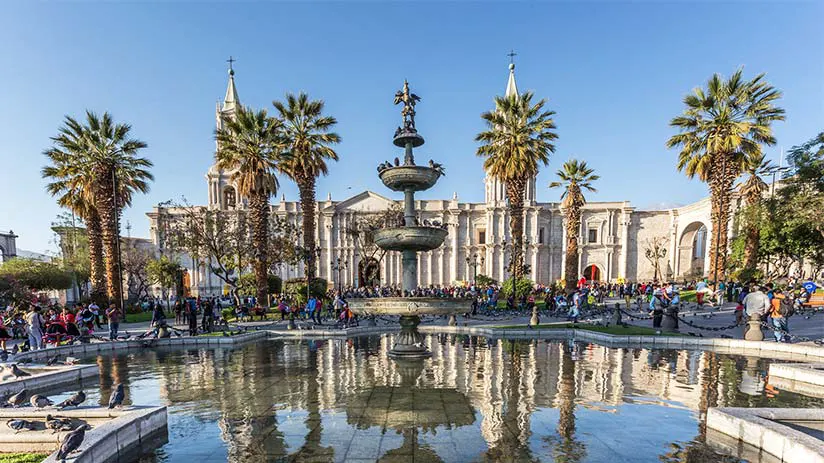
(474, 264)
(338, 266)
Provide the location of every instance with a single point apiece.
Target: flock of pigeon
(397, 162)
(72, 441)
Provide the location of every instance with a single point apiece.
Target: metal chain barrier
(792, 337)
(707, 328)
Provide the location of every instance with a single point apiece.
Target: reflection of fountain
(409, 410)
(410, 238)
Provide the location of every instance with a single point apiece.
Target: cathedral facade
(614, 240)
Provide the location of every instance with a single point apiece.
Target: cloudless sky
(615, 73)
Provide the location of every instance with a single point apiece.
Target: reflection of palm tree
(709, 392)
(311, 449)
(565, 447)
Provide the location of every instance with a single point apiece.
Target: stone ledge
(810, 373)
(58, 375)
(760, 427)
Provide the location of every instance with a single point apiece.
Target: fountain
(410, 238)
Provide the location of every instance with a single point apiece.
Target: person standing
(191, 312)
(114, 315)
(781, 308)
(656, 306)
(95, 309)
(36, 325)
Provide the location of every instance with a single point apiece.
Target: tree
(135, 267)
(517, 141)
(721, 126)
(251, 146)
(165, 272)
(575, 177)
(308, 138)
(105, 154)
(752, 189)
(362, 231)
(655, 249)
(35, 275)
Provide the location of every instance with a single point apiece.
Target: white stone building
(613, 237)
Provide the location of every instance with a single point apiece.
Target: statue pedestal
(410, 342)
(670, 321)
(754, 332)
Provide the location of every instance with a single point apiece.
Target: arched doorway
(369, 272)
(692, 248)
(592, 273)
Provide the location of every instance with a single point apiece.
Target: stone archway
(369, 272)
(692, 250)
(592, 273)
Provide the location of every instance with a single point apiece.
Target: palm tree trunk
(97, 267)
(573, 226)
(751, 234)
(259, 210)
(105, 205)
(306, 186)
(515, 194)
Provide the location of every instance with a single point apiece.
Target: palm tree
(90, 161)
(250, 147)
(518, 139)
(721, 126)
(308, 138)
(752, 189)
(575, 177)
(75, 188)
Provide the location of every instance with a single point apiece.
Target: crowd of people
(40, 326)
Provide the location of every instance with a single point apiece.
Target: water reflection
(474, 400)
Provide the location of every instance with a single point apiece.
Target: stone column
(626, 221)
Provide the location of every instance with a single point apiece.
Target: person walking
(191, 313)
(36, 325)
(781, 309)
(656, 307)
(114, 315)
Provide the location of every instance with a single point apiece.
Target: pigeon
(20, 425)
(40, 401)
(72, 442)
(4, 356)
(58, 423)
(52, 360)
(397, 162)
(18, 373)
(70, 361)
(73, 401)
(116, 400)
(15, 349)
(17, 399)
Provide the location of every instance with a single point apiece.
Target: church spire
(231, 100)
(511, 88)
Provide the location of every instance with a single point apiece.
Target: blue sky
(615, 74)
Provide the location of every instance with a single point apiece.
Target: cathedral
(614, 240)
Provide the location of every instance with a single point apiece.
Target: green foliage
(22, 457)
(522, 286)
(36, 275)
(483, 280)
(296, 287)
(164, 271)
(247, 285)
(227, 313)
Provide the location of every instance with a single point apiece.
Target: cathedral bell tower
(222, 193)
(494, 191)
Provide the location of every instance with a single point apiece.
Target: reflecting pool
(476, 399)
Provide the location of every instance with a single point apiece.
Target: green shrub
(227, 313)
(523, 286)
(483, 280)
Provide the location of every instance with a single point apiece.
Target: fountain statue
(410, 238)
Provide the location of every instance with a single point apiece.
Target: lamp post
(338, 266)
(474, 263)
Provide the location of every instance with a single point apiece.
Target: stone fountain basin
(409, 238)
(416, 178)
(409, 305)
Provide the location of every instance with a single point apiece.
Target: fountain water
(409, 239)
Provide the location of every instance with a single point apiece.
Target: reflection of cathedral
(613, 235)
(298, 399)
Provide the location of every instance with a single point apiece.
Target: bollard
(452, 320)
(754, 332)
(670, 322)
(616, 315)
(534, 321)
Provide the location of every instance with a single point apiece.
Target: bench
(816, 300)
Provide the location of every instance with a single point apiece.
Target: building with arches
(8, 245)
(612, 241)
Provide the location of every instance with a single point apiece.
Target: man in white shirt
(756, 302)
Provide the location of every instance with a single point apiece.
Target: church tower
(222, 193)
(494, 192)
